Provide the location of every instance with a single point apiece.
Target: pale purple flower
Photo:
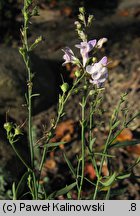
(101, 42)
(98, 72)
(85, 48)
(68, 56)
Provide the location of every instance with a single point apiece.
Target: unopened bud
(94, 59)
(82, 10)
(90, 19)
(8, 126)
(78, 25)
(76, 91)
(85, 87)
(39, 39)
(91, 92)
(17, 131)
(77, 73)
(81, 17)
(65, 87)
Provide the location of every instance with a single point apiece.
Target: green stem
(30, 119)
(35, 187)
(27, 63)
(101, 165)
(58, 118)
(90, 140)
(83, 147)
(19, 156)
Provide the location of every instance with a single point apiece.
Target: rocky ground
(120, 23)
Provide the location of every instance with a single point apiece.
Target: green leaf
(89, 181)
(91, 144)
(115, 136)
(125, 143)
(109, 181)
(69, 196)
(21, 185)
(35, 95)
(62, 191)
(123, 176)
(14, 191)
(105, 155)
(50, 145)
(133, 117)
(69, 165)
(115, 125)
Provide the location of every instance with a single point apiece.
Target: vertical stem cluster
(26, 58)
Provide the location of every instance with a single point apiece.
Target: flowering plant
(89, 78)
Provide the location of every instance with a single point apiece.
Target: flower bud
(76, 90)
(8, 126)
(90, 19)
(91, 92)
(85, 87)
(77, 73)
(17, 131)
(65, 87)
(81, 17)
(94, 59)
(39, 39)
(82, 10)
(78, 25)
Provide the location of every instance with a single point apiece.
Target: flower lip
(103, 61)
(68, 56)
(85, 48)
(98, 72)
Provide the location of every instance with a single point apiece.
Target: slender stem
(58, 118)
(35, 187)
(90, 139)
(101, 165)
(108, 194)
(27, 63)
(30, 119)
(83, 147)
(19, 156)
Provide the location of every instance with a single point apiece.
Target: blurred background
(119, 21)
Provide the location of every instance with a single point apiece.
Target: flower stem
(60, 111)
(29, 84)
(19, 156)
(83, 147)
(101, 164)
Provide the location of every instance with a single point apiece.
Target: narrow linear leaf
(106, 155)
(21, 185)
(69, 196)
(69, 165)
(115, 125)
(49, 145)
(14, 191)
(123, 176)
(125, 143)
(62, 191)
(89, 181)
(115, 136)
(35, 95)
(135, 116)
(109, 181)
(92, 143)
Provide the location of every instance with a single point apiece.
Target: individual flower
(98, 72)
(101, 42)
(85, 48)
(68, 56)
